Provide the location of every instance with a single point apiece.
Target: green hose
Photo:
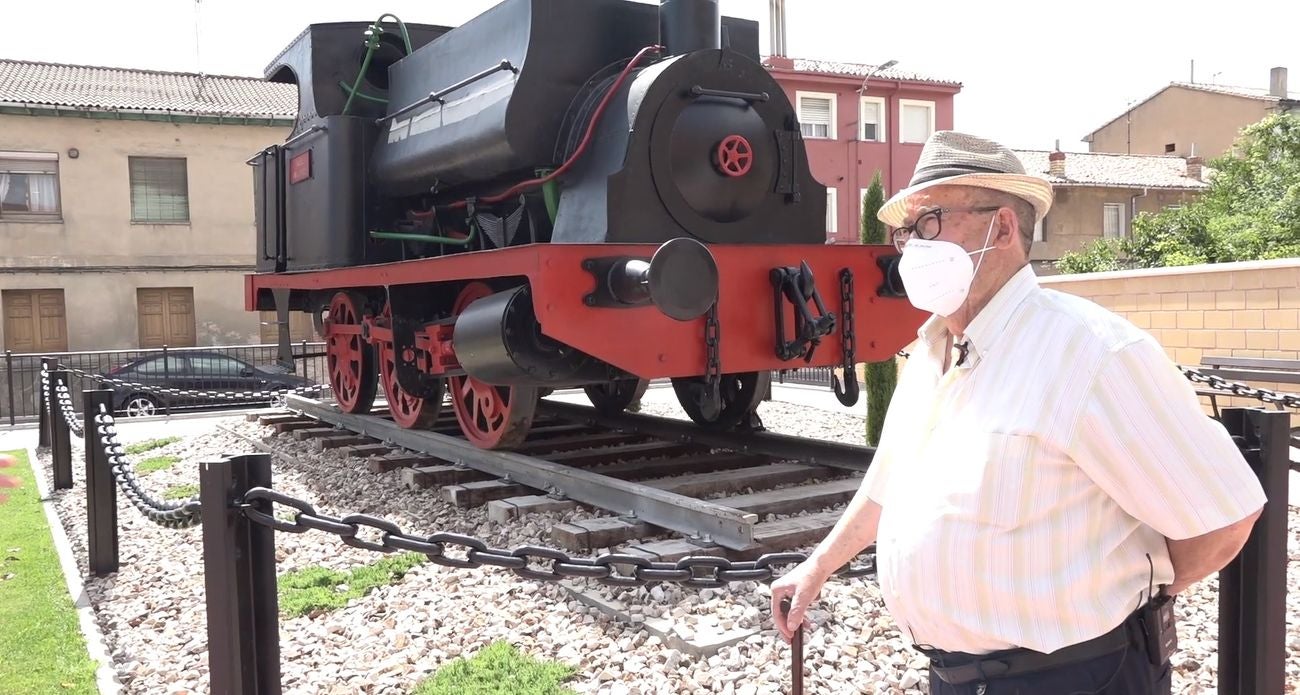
(551, 193)
(473, 230)
(372, 43)
(406, 38)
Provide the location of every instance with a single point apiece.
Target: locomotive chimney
(689, 25)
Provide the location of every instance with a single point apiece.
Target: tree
(1251, 211)
(880, 377)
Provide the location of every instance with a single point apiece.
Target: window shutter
(159, 190)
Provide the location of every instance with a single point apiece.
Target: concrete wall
(1229, 309)
(101, 306)
(1180, 116)
(1076, 218)
(99, 257)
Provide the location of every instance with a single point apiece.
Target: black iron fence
(237, 504)
(163, 380)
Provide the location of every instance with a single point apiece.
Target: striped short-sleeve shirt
(1027, 494)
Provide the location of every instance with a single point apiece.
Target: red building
(852, 132)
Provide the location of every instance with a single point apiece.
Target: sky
(1032, 73)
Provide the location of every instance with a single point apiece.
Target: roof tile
(832, 67)
(1117, 170)
(125, 89)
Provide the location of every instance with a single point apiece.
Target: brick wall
(1228, 309)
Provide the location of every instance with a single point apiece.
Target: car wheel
(140, 405)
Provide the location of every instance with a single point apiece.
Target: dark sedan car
(194, 371)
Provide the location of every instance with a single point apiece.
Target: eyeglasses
(928, 225)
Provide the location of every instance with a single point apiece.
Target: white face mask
(938, 274)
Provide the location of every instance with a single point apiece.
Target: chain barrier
(1289, 400)
(701, 571)
(69, 414)
(167, 390)
(171, 514)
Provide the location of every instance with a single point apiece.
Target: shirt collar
(989, 323)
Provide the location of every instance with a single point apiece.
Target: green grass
(41, 646)
(180, 492)
(150, 445)
(498, 669)
(156, 463)
(317, 588)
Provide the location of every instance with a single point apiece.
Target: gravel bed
(153, 616)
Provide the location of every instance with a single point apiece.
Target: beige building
(126, 213)
(1193, 119)
(1099, 195)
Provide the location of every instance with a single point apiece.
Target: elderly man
(1046, 480)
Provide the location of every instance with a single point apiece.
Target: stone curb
(105, 674)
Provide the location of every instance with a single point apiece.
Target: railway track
(691, 490)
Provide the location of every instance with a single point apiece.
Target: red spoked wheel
(350, 357)
(491, 417)
(409, 412)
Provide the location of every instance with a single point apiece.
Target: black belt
(1015, 662)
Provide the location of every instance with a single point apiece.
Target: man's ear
(1007, 229)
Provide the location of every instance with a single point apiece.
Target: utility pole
(776, 10)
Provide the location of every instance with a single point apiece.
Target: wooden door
(35, 321)
(166, 316)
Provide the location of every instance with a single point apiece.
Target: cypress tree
(880, 377)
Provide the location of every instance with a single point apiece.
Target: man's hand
(5, 480)
(1196, 558)
(803, 584)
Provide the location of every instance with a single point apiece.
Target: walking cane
(796, 653)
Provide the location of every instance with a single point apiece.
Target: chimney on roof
(1194, 168)
(1277, 83)
(1056, 164)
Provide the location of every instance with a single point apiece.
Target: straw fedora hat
(952, 158)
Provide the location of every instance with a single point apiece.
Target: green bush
(880, 377)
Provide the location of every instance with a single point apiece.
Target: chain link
(69, 414)
(167, 390)
(528, 561)
(178, 514)
(1289, 400)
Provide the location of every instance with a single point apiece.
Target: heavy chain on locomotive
(557, 194)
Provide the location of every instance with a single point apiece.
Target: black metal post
(9, 385)
(48, 365)
(60, 437)
(167, 380)
(1252, 588)
(101, 488)
(239, 577)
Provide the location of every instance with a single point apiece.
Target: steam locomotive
(557, 194)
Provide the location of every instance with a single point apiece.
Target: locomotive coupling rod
(796, 652)
(438, 95)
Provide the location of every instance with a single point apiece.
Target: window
(173, 366)
(816, 115)
(1113, 221)
(34, 320)
(873, 119)
(832, 214)
(1170, 148)
(1038, 230)
(159, 190)
(216, 365)
(29, 186)
(916, 119)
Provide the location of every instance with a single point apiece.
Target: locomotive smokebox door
(707, 157)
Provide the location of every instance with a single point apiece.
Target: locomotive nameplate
(300, 167)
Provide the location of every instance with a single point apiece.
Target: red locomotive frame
(642, 340)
